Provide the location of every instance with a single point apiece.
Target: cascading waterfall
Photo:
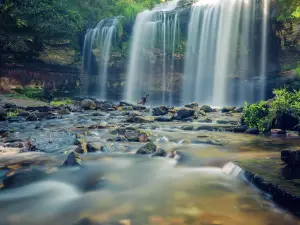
(221, 52)
(97, 46)
(155, 37)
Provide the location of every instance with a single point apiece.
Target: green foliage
(261, 115)
(14, 113)
(60, 102)
(30, 92)
(289, 10)
(255, 114)
(298, 72)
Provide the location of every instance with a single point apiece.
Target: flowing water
(221, 47)
(123, 188)
(97, 47)
(151, 62)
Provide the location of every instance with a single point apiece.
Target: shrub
(262, 115)
(30, 92)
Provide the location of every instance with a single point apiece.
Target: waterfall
(221, 57)
(97, 47)
(152, 50)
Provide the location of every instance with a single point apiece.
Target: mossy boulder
(87, 104)
(206, 108)
(228, 109)
(184, 113)
(73, 159)
(160, 111)
(148, 148)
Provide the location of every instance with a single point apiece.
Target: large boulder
(148, 148)
(160, 111)
(286, 121)
(87, 104)
(184, 113)
(3, 114)
(206, 108)
(291, 157)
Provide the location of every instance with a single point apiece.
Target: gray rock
(33, 116)
(148, 148)
(64, 111)
(228, 109)
(239, 110)
(87, 104)
(73, 159)
(160, 111)
(291, 157)
(9, 105)
(206, 108)
(252, 131)
(193, 105)
(286, 121)
(24, 114)
(184, 113)
(160, 152)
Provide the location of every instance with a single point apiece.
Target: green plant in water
(14, 113)
(255, 114)
(60, 102)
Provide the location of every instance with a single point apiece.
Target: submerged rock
(148, 148)
(206, 108)
(23, 178)
(160, 152)
(87, 104)
(73, 159)
(160, 111)
(252, 131)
